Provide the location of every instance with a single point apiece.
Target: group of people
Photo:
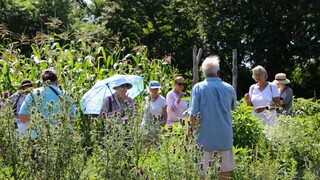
(45, 100)
(212, 99)
(157, 110)
(269, 98)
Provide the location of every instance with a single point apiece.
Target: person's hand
(260, 109)
(246, 96)
(189, 132)
(181, 95)
(121, 111)
(123, 97)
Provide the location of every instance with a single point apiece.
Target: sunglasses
(180, 83)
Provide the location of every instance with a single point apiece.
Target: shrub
(247, 129)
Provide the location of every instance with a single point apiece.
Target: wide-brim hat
(26, 82)
(129, 85)
(281, 78)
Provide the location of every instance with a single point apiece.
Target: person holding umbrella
(115, 103)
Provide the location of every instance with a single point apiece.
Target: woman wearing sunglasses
(175, 105)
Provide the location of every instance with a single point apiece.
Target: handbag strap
(270, 88)
(110, 105)
(53, 90)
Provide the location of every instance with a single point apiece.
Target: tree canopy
(280, 35)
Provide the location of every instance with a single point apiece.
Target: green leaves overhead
(279, 35)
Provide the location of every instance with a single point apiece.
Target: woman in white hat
(154, 108)
(285, 92)
(117, 102)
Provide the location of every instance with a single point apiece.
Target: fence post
(234, 69)
(195, 67)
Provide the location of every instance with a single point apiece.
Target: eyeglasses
(180, 83)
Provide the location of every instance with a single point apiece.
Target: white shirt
(264, 98)
(152, 108)
(175, 111)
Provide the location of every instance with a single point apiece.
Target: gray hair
(210, 66)
(262, 69)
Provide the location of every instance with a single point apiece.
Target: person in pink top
(175, 105)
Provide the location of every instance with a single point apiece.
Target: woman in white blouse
(263, 96)
(175, 105)
(154, 108)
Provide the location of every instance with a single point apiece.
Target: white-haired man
(214, 100)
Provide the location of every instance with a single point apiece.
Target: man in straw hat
(17, 99)
(285, 92)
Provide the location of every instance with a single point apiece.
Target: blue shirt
(214, 99)
(45, 101)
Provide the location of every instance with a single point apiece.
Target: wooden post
(195, 68)
(234, 69)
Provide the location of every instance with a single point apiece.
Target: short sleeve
(194, 101)
(275, 92)
(287, 96)
(251, 90)
(163, 102)
(26, 105)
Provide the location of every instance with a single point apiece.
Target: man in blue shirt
(47, 100)
(213, 99)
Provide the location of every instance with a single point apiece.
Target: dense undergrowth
(290, 150)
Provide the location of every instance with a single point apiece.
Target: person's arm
(248, 99)
(177, 102)
(287, 96)
(24, 114)
(194, 108)
(277, 101)
(104, 108)
(132, 104)
(248, 95)
(171, 101)
(276, 97)
(165, 115)
(73, 114)
(191, 125)
(24, 118)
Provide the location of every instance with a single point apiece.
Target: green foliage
(28, 17)
(305, 107)
(287, 151)
(247, 129)
(281, 35)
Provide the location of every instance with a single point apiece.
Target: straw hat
(281, 78)
(26, 82)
